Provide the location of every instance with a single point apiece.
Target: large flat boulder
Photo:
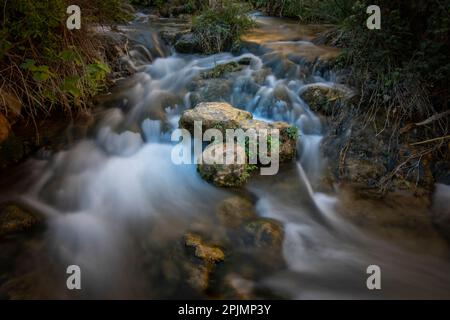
(222, 116)
(218, 115)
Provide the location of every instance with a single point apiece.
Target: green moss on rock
(325, 99)
(222, 174)
(221, 70)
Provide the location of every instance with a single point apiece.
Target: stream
(117, 206)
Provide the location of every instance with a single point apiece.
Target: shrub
(43, 64)
(402, 69)
(308, 11)
(220, 28)
(165, 6)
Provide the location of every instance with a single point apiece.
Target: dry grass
(19, 88)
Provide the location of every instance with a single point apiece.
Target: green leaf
(68, 55)
(50, 95)
(41, 76)
(104, 67)
(42, 69)
(98, 68)
(70, 85)
(41, 73)
(28, 64)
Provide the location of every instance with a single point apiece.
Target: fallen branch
(425, 122)
(431, 140)
(433, 118)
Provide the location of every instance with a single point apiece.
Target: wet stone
(326, 99)
(234, 211)
(14, 219)
(207, 256)
(202, 250)
(221, 174)
(264, 233)
(214, 115)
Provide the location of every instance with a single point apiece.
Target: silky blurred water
(119, 188)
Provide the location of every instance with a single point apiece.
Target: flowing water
(115, 203)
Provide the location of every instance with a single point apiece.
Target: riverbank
(50, 74)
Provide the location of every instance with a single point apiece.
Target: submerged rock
(237, 287)
(215, 89)
(264, 233)
(203, 250)
(14, 219)
(235, 211)
(199, 274)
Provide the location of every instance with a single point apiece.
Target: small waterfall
(152, 130)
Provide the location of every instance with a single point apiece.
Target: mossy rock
(223, 116)
(326, 99)
(289, 136)
(221, 70)
(220, 173)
